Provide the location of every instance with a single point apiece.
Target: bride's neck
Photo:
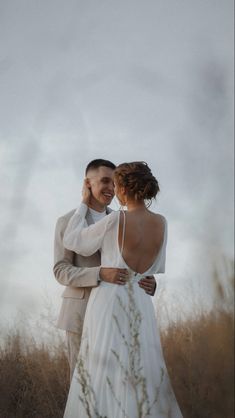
(133, 205)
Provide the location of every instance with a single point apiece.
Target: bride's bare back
(144, 234)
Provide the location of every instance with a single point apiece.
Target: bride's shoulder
(159, 217)
(162, 218)
(159, 222)
(112, 214)
(112, 217)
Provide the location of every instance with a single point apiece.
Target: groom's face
(101, 185)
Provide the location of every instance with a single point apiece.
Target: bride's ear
(123, 190)
(123, 195)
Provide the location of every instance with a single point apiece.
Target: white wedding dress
(120, 370)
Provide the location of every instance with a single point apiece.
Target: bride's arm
(81, 239)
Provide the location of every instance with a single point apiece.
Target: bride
(120, 369)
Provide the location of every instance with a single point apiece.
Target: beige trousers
(73, 345)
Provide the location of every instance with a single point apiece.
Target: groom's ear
(88, 183)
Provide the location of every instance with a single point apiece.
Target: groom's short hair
(94, 164)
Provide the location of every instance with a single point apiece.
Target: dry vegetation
(34, 379)
(199, 356)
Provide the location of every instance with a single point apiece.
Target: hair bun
(138, 180)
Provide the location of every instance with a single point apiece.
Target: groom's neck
(97, 206)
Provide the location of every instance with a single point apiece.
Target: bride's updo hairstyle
(137, 179)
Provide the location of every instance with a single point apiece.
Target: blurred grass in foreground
(34, 378)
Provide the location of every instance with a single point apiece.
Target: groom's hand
(149, 284)
(113, 275)
(86, 192)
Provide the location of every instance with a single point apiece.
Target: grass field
(34, 378)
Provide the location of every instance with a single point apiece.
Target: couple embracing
(106, 260)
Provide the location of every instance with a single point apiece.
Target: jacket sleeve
(82, 239)
(66, 273)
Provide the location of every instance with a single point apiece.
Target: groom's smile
(108, 196)
(101, 186)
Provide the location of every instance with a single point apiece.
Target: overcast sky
(123, 80)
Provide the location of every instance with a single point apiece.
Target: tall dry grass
(199, 353)
(34, 378)
(199, 357)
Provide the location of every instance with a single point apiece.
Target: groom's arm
(66, 273)
(119, 276)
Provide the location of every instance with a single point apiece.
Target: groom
(80, 274)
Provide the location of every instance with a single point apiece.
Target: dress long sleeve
(83, 239)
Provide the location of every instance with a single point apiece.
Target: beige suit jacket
(77, 273)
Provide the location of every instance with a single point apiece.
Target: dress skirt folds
(120, 370)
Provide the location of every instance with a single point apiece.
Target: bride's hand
(86, 192)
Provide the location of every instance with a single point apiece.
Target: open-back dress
(120, 370)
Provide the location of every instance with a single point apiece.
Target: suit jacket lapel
(89, 218)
